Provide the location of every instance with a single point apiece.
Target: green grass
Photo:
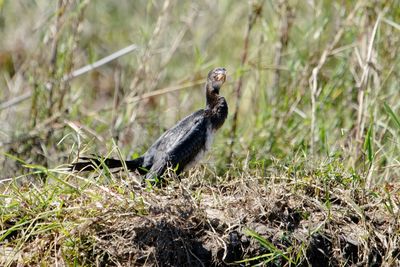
(316, 144)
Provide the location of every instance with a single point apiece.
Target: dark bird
(183, 145)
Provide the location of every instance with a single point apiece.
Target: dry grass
(305, 170)
(317, 217)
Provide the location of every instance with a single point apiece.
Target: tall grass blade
(392, 115)
(368, 144)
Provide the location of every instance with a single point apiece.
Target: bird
(180, 147)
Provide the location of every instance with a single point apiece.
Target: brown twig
(64, 86)
(141, 70)
(362, 85)
(158, 92)
(313, 81)
(284, 28)
(116, 102)
(255, 12)
(53, 55)
(101, 62)
(74, 74)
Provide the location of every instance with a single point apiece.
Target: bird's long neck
(212, 96)
(216, 107)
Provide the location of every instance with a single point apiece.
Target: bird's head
(216, 79)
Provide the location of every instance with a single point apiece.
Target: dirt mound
(192, 225)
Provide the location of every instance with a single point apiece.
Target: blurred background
(309, 80)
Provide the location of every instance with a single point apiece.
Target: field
(304, 172)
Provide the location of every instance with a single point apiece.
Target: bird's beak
(221, 76)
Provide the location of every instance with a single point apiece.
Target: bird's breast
(207, 146)
(209, 137)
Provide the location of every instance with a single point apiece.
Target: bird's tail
(90, 164)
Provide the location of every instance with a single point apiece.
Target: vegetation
(304, 172)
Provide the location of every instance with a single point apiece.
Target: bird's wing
(171, 136)
(182, 148)
(190, 145)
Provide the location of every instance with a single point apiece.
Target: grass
(305, 173)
